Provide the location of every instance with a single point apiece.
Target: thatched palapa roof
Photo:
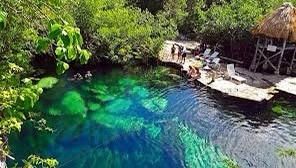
(280, 24)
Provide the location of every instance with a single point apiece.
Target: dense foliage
(24, 33)
(119, 32)
(75, 31)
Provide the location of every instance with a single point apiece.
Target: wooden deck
(259, 87)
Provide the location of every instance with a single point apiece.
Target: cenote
(135, 117)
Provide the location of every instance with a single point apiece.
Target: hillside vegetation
(76, 32)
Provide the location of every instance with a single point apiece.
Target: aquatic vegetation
(47, 82)
(287, 152)
(54, 111)
(128, 124)
(118, 105)
(153, 130)
(198, 153)
(104, 97)
(229, 163)
(105, 158)
(277, 109)
(284, 108)
(102, 92)
(93, 106)
(140, 92)
(155, 104)
(127, 82)
(73, 104)
(100, 88)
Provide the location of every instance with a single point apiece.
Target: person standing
(180, 48)
(173, 50)
(184, 54)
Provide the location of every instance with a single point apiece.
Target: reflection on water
(151, 118)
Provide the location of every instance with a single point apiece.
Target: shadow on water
(130, 117)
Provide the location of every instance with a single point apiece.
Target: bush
(122, 33)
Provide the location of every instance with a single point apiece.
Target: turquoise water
(152, 118)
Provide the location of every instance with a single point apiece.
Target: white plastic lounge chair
(216, 61)
(212, 57)
(233, 75)
(207, 68)
(206, 52)
(214, 64)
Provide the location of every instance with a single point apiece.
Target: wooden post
(277, 72)
(265, 64)
(260, 55)
(289, 70)
(253, 64)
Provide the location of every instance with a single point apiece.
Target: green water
(119, 118)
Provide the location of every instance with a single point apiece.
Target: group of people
(193, 72)
(78, 76)
(181, 53)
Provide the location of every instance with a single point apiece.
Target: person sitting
(195, 74)
(190, 71)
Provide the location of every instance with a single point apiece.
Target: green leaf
(78, 38)
(84, 56)
(43, 44)
(27, 81)
(60, 52)
(3, 16)
(60, 43)
(71, 55)
(62, 67)
(55, 31)
(67, 38)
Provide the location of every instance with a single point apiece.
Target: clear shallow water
(146, 118)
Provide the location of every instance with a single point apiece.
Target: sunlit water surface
(152, 118)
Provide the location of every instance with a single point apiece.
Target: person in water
(78, 76)
(173, 50)
(88, 75)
